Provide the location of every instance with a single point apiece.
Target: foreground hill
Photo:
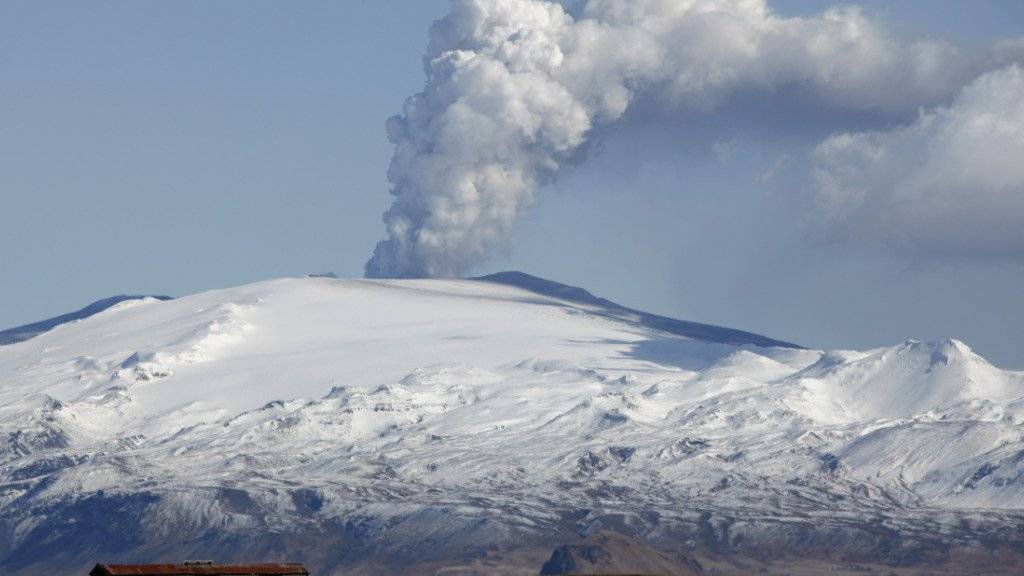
(408, 425)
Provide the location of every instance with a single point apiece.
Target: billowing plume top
(515, 88)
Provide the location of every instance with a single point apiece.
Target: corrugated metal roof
(202, 569)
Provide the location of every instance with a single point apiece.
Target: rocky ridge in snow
(360, 423)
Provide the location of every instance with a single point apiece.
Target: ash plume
(515, 88)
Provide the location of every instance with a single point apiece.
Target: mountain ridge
(392, 425)
(511, 278)
(26, 331)
(697, 330)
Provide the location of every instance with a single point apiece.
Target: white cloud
(515, 87)
(766, 175)
(724, 151)
(952, 182)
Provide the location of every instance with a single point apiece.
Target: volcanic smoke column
(471, 149)
(514, 87)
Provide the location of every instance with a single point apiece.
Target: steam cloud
(515, 87)
(952, 182)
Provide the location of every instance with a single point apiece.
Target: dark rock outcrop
(606, 552)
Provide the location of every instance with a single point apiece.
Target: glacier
(363, 426)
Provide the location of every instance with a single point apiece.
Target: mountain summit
(411, 425)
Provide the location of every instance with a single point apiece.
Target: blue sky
(177, 147)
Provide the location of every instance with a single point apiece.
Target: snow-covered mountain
(20, 333)
(357, 424)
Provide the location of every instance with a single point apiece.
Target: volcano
(476, 426)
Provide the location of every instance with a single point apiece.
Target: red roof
(199, 568)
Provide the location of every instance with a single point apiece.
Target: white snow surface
(476, 389)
